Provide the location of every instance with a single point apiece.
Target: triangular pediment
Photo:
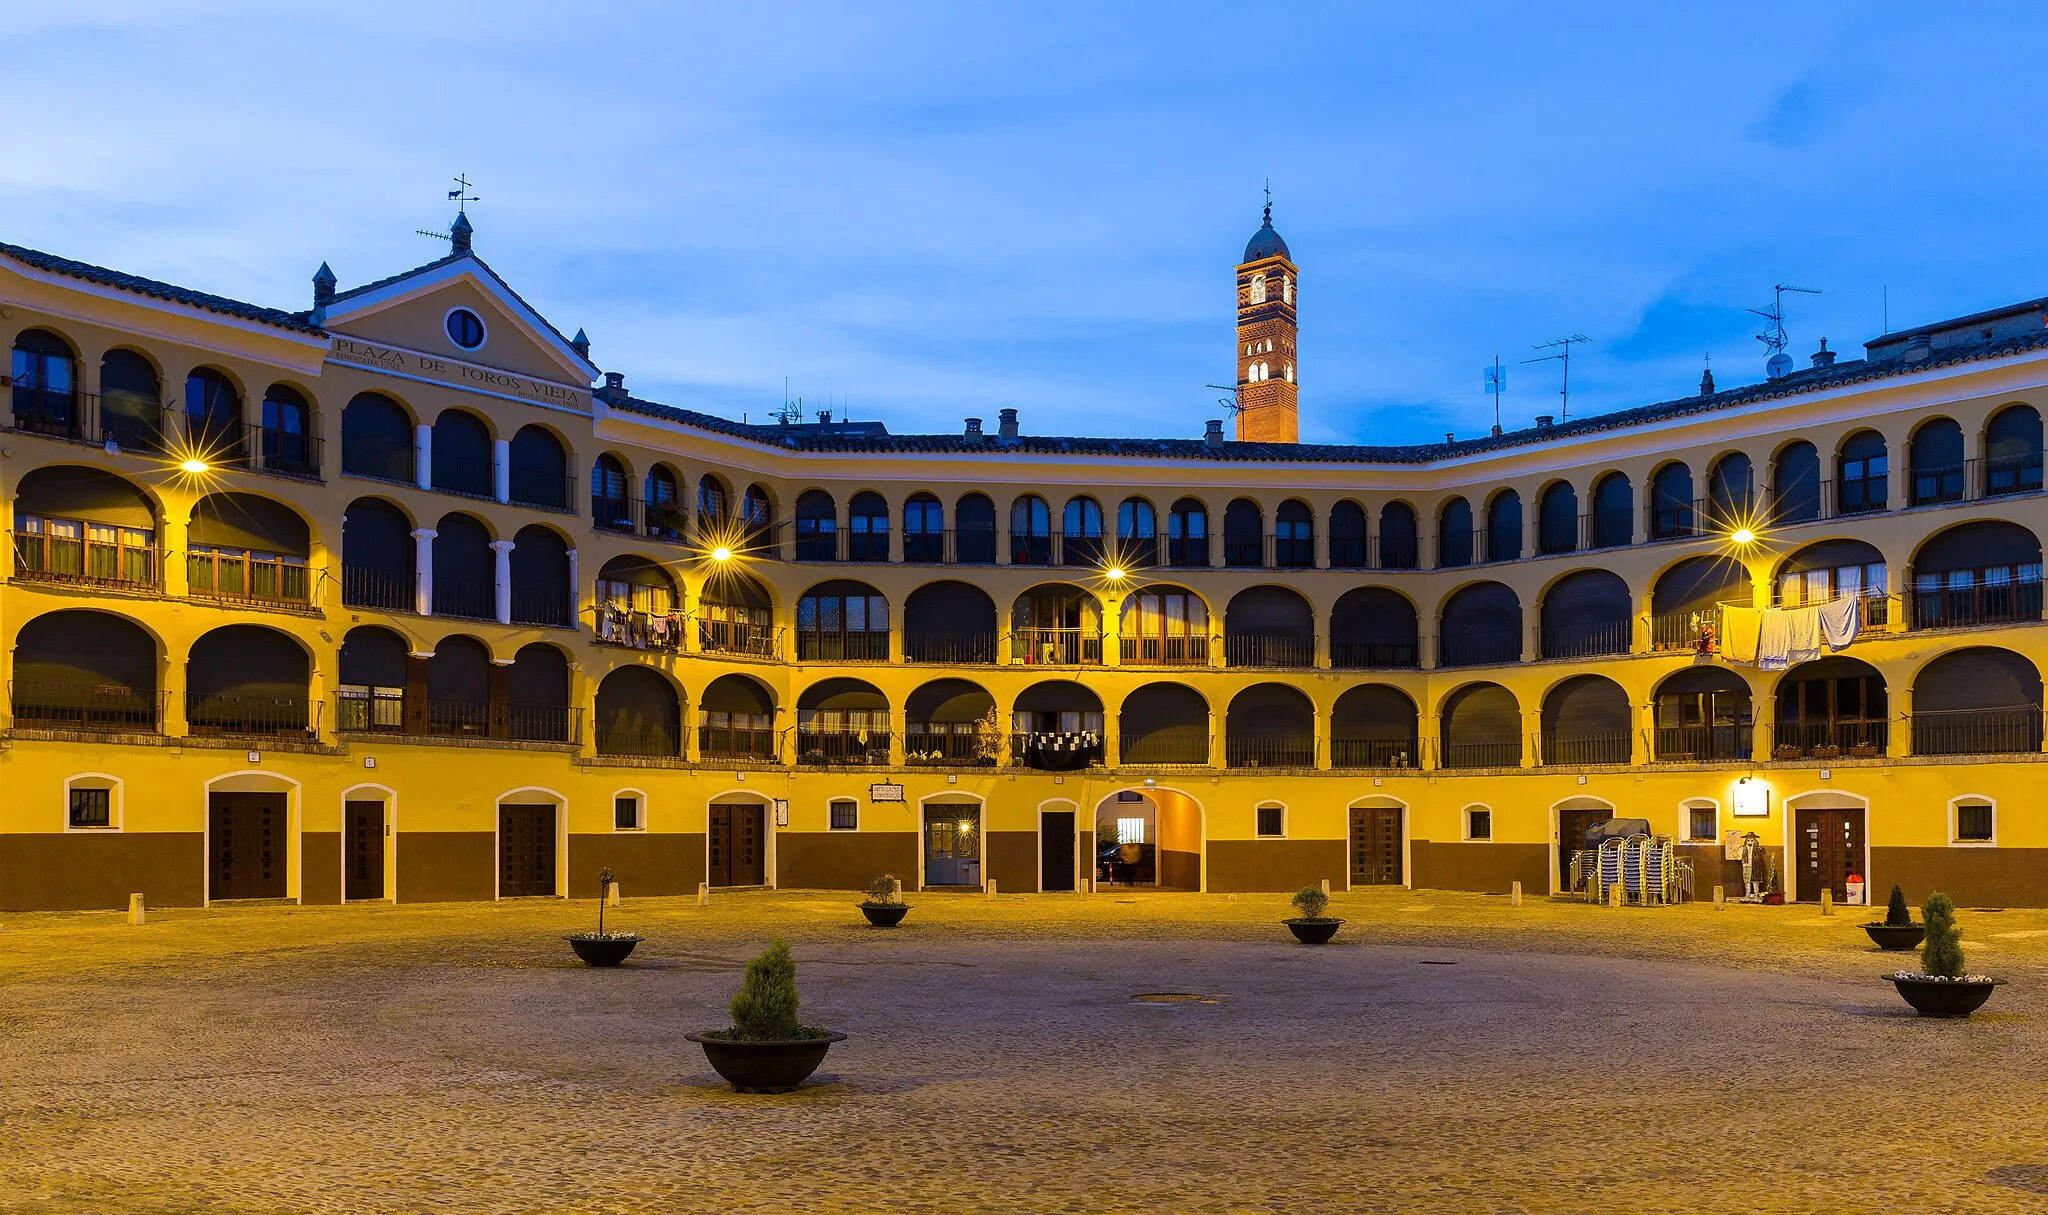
(412, 311)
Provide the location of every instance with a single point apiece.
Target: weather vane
(460, 195)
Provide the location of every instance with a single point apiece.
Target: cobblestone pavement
(1448, 1054)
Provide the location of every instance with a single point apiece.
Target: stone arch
(1270, 725)
(1269, 626)
(1374, 627)
(1480, 625)
(248, 679)
(1480, 726)
(1980, 700)
(1586, 613)
(1163, 723)
(949, 621)
(78, 669)
(1587, 719)
(1375, 725)
(638, 713)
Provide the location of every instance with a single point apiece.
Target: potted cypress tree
(602, 948)
(884, 906)
(767, 1050)
(1898, 930)
(1312, 927)
(1942, 987)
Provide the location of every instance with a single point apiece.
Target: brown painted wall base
(80, 871)
(1180, 870)
(1010, 859)
(320, 867)
(447, 866)
(1236, 865)
(642, 863)
(1457, 865)
(1710, 868)
(843, 860)
(1973, 877)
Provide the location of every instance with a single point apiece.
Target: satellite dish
(1778, 365)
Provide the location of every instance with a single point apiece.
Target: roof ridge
(158, 289)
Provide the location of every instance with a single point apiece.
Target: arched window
(664, 504)
(867, 528)
(1270, 725)
(1243, 539)
(2012, 452)
(1837, 569)
(1454, 534)
(1374, 726)
(540, 578)
(1400, 545)
(1081, 532)
(248, 680)
(1934, 459)
(757, 520)
(1731, 493)
(1862, 472)
(1481, 727)
(714, 501)
(1371, 626)
(1613, 511)
(85, 527)
(842, 621)
(286, 439)
(84, 670)
(1257, 293)
(463, 462)
(1030, 531)
(1585, 614)
(638, 714)
(817, 526)
(842, 721)
(378, 556)
(949, 622)
(465, 569)
(1294, 536)
(611, 505)
(1795, 484)
(539, 469)
(1187, 533)
(1269, 626)
(1977, 701)
(1137, 533)
(1830, 707)
(734, 617)
(131, 401)
(1481, 625)
(924, 529)
(1165, 626)
(738, 719)
(1056, 624)
(974, 522)
(1164, 723)
(45, 385)
(1978, 573)
(1347, 536)
(1557, 519)
(1504, 526)
(1703, 714)
(1287, 288)
(243, 547)
(1671, 514)
(377, 439)
(636, 605)
(213, 417)
(1586, 720)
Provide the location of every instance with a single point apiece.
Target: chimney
(1919, 350)
(1006, 423)
(1450, 436)
(974, 428)
(1213, 436)
(580, 344)
(1823, 357)
(460, 232)
(1707, 382)
(614, 387)
(824, 417)
(323, 293)
(1543, 421)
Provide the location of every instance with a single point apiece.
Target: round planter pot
(765, 1067)
(1313, 932)
(885, 915)
(1774, 899)
(602, 951)
(1896, 936)
(1944, 998)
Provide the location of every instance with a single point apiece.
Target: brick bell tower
(1266, 390)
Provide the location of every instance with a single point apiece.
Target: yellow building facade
(382, 599)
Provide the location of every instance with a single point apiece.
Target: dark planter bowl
(1896, 936)
(1313, 932)
(1774, 899)
(765, 1067)
(1943, 998)
(602, 951)
(885, 915)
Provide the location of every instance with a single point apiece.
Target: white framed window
(843, 814)
(1699, 822)
(1972, 822)
(92, 803)
(629, 810)
(1479, 823)
(1258, 289)
(1287, 287)
(1130, 831)
(1272, 821)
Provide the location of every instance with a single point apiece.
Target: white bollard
(611, 897)
(1720, 898)
(1514, 894)
(989, 889)
(896, 889)
(1614, 896)
(135, 909)
(1827, 900)
(1326, 887)
(703, 894)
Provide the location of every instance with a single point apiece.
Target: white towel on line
(1773, 640)
(1838, 622)
(1803, 627)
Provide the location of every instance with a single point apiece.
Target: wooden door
(1571, 839)
(526, 851)
(362, 844)
(1056, 850)
(1376, 846)
(1829, 844)
(247, 839)
(739, 852)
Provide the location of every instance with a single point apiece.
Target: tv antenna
(1229, 402)
(1563, 346)
(461, 197)
(1496, 384)
(1773, 338)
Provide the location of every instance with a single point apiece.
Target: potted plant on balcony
(1827, 751)
(884, 906)
(1898, 931)
(1787, 751)
(1864, 750)
(602, 948)
(767, 1050)
(1312, 927)
(1942, 987)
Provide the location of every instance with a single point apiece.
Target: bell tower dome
(1266, 388)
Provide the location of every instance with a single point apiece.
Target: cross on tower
(460, 195)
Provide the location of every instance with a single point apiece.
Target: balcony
(633, 630)
(2006, 731)
(1497, 751)
(831, 748)
(1164, 651)
(249, 578)
(1164, 748)
(1585, 639)
(465, 598)
(965, 546)
(1855, 739)
(1187, 552)
(1374, 655)
(750, 744)
(1696, 744)
(279, 718)
(100, 708)
(1269, 751)
(113, 565)
(1579, 747)
(370, 711)
(541, 488)
(545, 607)
(1479, 648)
(1056, 750)
(664, 521)
(378, 459)
(1056, 647)
(941, 748)
(1955, 599)
(386, 590)
(739, 637)
(978, 648)
(1286, 649)
(1393, 752)
(830, 544)
(817, 646)
(655, 741)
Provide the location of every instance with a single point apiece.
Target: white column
(423, 455)
(423, 570)
(501, 578)
(576, 592)
(501, 469)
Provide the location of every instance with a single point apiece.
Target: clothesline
(1775, 638)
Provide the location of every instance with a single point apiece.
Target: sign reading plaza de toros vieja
(461, 375)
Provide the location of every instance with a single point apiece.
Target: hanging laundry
(1839, 621)
(1773, 640)
(1802, 626)
(1739, 627)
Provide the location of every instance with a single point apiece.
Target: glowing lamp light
(721, 553)
(1114, 573)
(1752, 798)
(195, 466)
(1742, 535)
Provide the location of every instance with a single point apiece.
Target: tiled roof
(436, 264)
(298, 322)
(1798, 383)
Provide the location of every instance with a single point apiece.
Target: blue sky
(921, 212)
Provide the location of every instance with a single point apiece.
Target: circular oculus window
(465, 328)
